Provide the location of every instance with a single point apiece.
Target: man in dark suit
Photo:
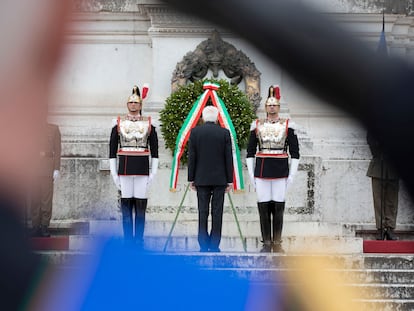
(385, 186)
(210, 172)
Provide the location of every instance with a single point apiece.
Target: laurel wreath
(179, 104)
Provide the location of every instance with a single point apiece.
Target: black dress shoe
(277, 248)
(390, 235)
(266, 248)
(380, 235)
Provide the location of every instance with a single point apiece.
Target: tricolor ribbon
(191, 121)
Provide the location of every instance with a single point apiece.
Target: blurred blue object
(128, 279)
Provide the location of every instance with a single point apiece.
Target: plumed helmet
(274, 95)
(136, 94)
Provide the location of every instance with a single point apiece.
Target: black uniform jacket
(133, 165)
(273, 167)
(210, 160)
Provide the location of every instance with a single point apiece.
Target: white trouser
(134, 187)
(271, 189)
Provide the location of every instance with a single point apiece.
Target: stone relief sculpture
(215, 54)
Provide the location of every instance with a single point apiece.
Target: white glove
(154, 170)
(56, 175)
(294, 164)
(250, 169)
(114, 173)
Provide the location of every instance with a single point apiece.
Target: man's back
(210, 159)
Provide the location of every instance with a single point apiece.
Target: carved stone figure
(215, 54)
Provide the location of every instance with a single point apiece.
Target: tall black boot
(278, 212)
(126, 209)
(140, 209)
(264, 215)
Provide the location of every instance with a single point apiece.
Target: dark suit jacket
(210, 161)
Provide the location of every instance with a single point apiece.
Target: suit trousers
(205, 194)
(42, 199)
(389, 216)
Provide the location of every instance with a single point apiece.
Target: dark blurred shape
(42, 195)
(120, 277)
(166, 284)
(385, 182)
(328, 62)
(18, 266)
(31, 35)
(385, 187)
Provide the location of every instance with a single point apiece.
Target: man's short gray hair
(210, 114)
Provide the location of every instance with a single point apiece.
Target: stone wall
(113, 45)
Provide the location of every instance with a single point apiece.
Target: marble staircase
(381, 281)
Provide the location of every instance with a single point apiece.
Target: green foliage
(179, 104)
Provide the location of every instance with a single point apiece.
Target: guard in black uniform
(385, 187)
(132, 141)
(270, 173)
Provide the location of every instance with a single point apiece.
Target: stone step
(376, 289)
(358, 291)
(59, 243)
(369, 231)
(387, 304)
(66, 227)
(389, 276)
(284, 261)
(245, 261)
(383, 291)
(394, 261)
(364, 276)
(301, 244)
(63, 258)
(160, 225)
(406, 235)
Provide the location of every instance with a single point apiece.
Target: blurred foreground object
(330, 63)
(32, 37)
(194, 281)
(385, 187)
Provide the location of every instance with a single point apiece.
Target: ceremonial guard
(42, 196)
(133, 140)
(385, 187)
(270, 173)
